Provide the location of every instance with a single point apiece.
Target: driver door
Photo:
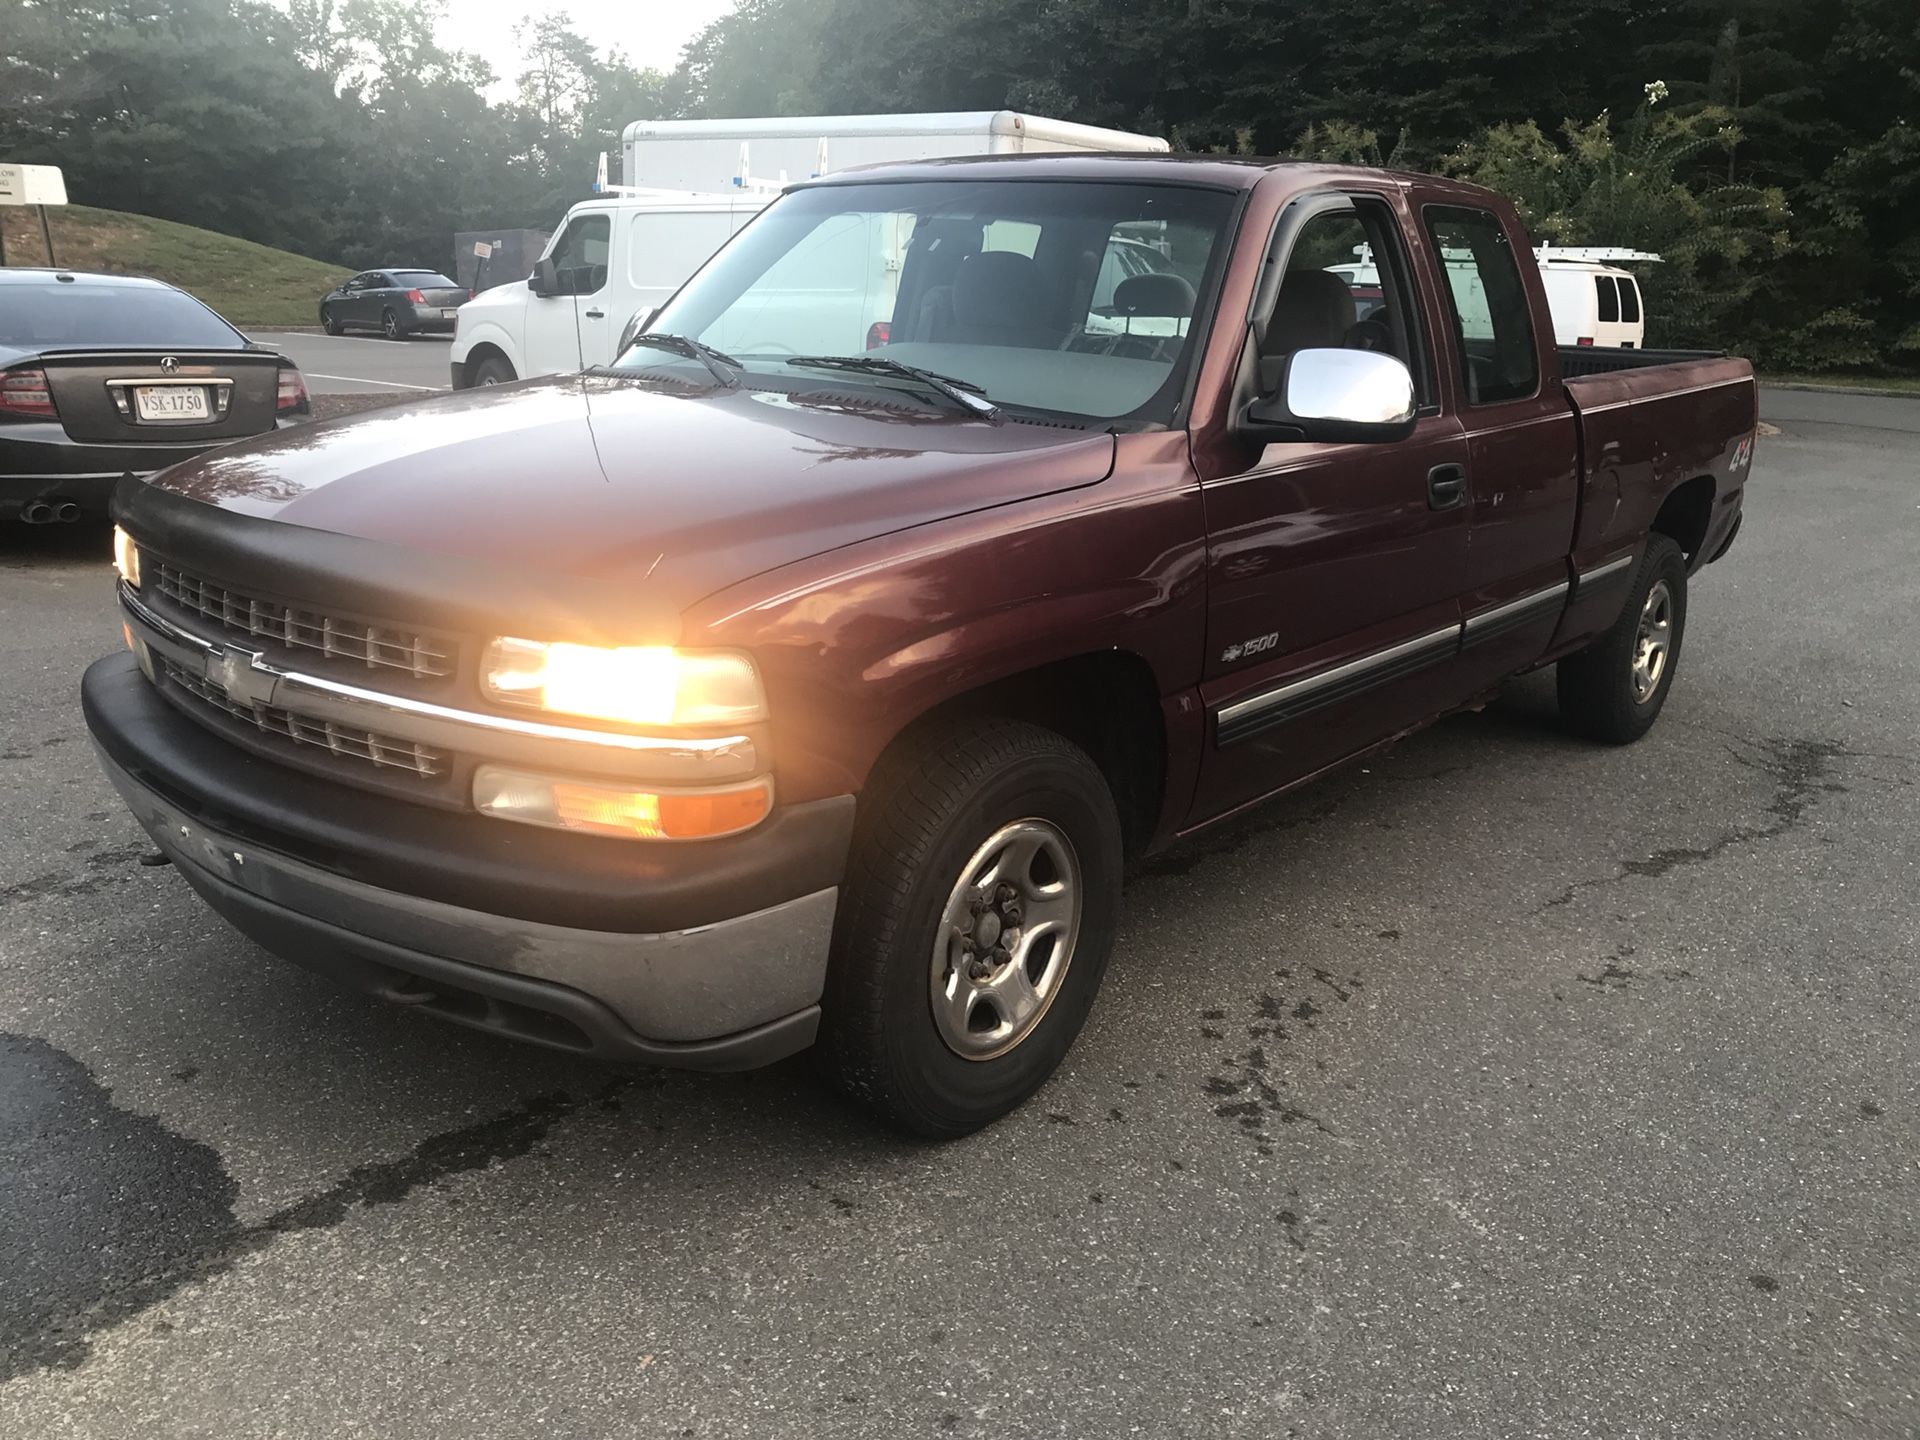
(1334, 572)
(556, 322)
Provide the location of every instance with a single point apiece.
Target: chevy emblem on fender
(242, 675)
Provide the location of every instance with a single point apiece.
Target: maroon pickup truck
(813, 673)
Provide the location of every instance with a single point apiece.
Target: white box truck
(689, 185)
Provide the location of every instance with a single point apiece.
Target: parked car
(397, 303)
(108, 376)
(754, 692)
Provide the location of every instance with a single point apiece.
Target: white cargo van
(1593, 304)
(689, 185)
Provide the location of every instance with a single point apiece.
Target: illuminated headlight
(126, 557)
(642, 685)
(602, 809)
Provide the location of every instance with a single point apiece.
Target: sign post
(37, 185)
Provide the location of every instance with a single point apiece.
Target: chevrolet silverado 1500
(754, 692)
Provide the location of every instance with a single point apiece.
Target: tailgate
(176, 397)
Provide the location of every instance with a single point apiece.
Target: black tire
(327, 322)
(1600, 695)
(929, 808)
(494, 370)
(390, 326)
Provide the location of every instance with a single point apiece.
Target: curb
(1839, 390)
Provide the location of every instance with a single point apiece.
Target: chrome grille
(377, 647)
(382, 751)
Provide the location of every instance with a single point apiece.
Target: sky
(652, 32)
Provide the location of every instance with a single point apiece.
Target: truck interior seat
(1156, 295)
(1314, 311)
(1001, 298)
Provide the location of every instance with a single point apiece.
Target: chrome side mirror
(1335, 396)
(641, 322)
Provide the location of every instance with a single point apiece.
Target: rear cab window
(1487, 300)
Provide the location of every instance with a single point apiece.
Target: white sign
(482, 249)
(32, 185)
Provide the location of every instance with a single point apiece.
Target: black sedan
(104, 376)
(397, 303)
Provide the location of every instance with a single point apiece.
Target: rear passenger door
(1522, 452)
(1334, 572)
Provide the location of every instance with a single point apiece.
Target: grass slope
(252, 285)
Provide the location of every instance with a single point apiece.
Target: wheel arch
(1107, 702)
(1685, 516)
(476, 356)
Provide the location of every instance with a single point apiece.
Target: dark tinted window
(580, 259)
(1491, 318)
(1609, 299)
(423, 280)
(77, 314)
(1629, 302)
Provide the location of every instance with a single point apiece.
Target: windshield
(72, 313)
(1054, 296)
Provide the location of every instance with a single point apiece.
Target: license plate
(448, 314)
(171, 402)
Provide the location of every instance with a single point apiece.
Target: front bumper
(448, 913)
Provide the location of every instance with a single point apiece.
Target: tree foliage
(1780, 174)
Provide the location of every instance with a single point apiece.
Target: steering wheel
(1372, 335)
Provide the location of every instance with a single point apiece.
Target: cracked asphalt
(1501, 1086)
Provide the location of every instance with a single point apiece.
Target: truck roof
(1225, 172)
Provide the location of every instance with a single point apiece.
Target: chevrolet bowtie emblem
(243, 675)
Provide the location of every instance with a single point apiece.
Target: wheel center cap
(986, 930)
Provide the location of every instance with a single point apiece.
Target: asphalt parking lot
(363, 364)
(1502, 1086)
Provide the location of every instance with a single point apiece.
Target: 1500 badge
(1247, 649)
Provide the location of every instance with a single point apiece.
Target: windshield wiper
(968, 396)
(694, 350)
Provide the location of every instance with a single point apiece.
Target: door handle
(596, 314)
(1446, 486)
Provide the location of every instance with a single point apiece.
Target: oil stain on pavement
(105, 1213)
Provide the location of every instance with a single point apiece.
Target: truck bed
(1577, 361)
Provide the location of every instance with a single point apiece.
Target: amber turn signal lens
(613, 810)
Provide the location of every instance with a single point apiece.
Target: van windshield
(1060, 297)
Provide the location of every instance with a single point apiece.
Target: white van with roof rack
(1592, 300)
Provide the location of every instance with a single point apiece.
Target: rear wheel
(494, 370)
(974, 927)
(1614, 689)
(327, 321)
(390, 326)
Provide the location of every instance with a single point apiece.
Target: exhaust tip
(67, 513)
(37, 513)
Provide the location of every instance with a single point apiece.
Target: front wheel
(494, 370)
(327, 321)
(1613, 690)
(979, 911)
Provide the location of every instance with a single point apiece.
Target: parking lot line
(376, 384)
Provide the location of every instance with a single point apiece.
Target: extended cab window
(1492, 322)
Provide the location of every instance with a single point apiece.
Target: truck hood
(612, 479)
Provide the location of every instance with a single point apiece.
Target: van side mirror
(545, 279)
(1341, 397)
(640, 324)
